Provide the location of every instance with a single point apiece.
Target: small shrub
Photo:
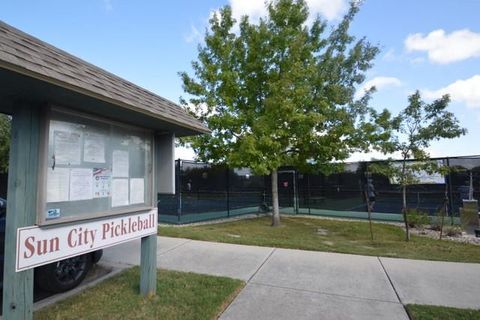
(436, 224)
(452, 231)
(417, 218)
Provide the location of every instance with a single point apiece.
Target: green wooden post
(21, 208)
(148, 266)
(164, 167)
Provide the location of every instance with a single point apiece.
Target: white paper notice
(67, 147)
(81, 184)
(94, 147)
(119, 192)
(58, 184)
(137, 194)
(102, 182)
(120, 165)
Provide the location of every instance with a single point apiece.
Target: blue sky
(433, 46)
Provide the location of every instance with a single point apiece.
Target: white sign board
(38, 246)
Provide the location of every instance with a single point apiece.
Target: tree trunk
(404, 195)
(442, 221)
(444, 211)
(275, 210)
(369, 210)
(404, 209)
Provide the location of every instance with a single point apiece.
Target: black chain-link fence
(205, 192)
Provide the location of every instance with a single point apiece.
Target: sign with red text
(38, 246)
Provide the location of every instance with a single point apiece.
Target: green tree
(413, 131)
(281, 93)
(5, 125)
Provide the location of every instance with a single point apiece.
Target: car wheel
(63, 275)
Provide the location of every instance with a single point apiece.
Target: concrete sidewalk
(297, 284)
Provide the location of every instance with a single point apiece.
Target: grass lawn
(328, 235)
(179, 296)
(419, 312)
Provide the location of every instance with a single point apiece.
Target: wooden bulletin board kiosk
(89, 152)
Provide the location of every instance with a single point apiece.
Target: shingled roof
(28, 55)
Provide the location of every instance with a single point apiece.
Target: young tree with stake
(414, 129)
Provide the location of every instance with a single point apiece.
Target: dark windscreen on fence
(205, 191)
(465, 171)
(203, 187)
(246, 191)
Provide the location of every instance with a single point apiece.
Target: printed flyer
(102, 181)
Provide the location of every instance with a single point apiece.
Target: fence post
(450, 192)
(228, 190)
(295, 192)
(178, 189)
(308, 194)
(265, 184)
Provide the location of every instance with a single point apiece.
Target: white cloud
(198, 109)
(436, 151)
(372, 155)
(417, 60)
(445, 48)
(379, 83)
(466, 91)
(390, 55)
(194, 35)
(184, 153)
(254, 9)
(330, 9)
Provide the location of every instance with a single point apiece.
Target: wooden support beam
(164, 159)
(21, 208)
(148, 266)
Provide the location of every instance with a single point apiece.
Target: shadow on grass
(329, 235)
(180, 295)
